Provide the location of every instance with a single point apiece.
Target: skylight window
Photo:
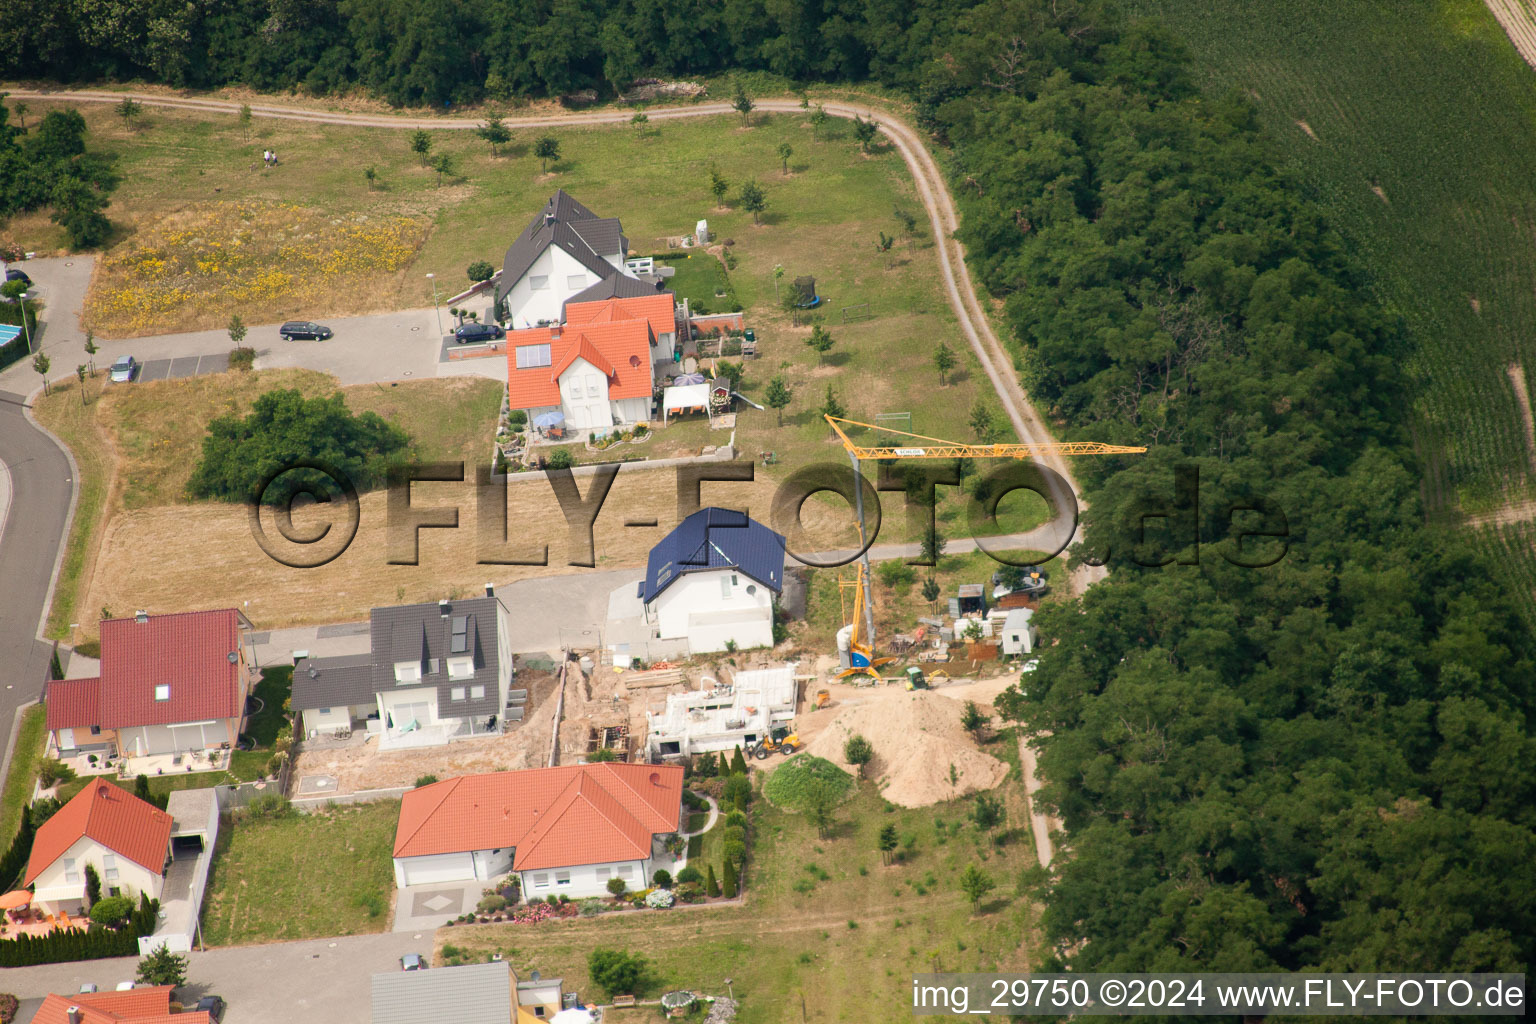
(162, 691)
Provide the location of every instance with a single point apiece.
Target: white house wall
(527, 306)
(53, 893)
(631, 410)
(326, 720)
(584, 396)
(700, 592)
(585, 879)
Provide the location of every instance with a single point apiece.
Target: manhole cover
(415, 328)
(406, 374)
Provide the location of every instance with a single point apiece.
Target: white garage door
(444, 867)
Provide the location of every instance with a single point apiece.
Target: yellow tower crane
(861, 646)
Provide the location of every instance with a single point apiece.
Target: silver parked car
(123, 370)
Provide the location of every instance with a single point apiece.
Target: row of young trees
(1322, 764)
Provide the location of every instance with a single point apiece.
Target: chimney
(74, 1015)
(490, 591)
(141, 616)
(549, 213)
(442, 608)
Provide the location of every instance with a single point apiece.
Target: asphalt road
(41, 489)
(321, 981)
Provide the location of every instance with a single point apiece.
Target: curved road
(943, 221)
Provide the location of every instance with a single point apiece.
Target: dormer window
(162, 691)
(407, 671)
(460, 668)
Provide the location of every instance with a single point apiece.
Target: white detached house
(565, 250)
(713, 581)
(566, 831)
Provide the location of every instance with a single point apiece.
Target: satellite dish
(535, 975)
(234, 656)
(312, 673)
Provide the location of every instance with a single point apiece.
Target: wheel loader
(783, 739)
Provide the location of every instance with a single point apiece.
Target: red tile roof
(555, 817)
(147, 1005)
(73, 703)
(659, 310)
(189, 650)
(615, 338)
(111, 817)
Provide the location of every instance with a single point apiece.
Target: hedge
(15, 860)
(80, 944)
(10, 313)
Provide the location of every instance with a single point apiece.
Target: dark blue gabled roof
(716, 538)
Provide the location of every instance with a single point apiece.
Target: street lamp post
(22, 298)
(435, 308)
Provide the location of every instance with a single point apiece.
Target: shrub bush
(8, 1007)
(735, 850)
(112, 911)
(491, 904)
(736, 820)
(561, 458)
(690, 874)
(592, 907)
(662, 879)
(617, 886)
(269, 805)
(735, 834)
(425, 780)
(517, 418)
(51, 770)
(242, 359)
(659, 899)
(737, 791)
(791, 784)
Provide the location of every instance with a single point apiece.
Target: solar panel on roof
(461, 624)
(459, 645)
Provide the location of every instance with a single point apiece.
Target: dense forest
(440, 51)
(1327, 763)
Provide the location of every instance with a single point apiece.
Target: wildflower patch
(194, 268)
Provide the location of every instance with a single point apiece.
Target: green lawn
(264, 726)
(302, 876)
(21, 776)
(698, 278)
(1411, 125)
(823, 917)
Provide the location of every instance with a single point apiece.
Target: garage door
(446, 867)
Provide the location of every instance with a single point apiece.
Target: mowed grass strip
(906, 917)
(302, 876)
(19, 777)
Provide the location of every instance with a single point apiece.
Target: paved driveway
(323, 981)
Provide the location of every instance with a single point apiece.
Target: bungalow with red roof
(597, 368)
(143, 1004)
(127, 841)
(168, 684)
(565, 831)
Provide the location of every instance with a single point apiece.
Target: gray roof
(566, 223)
(337, 682)
(619, 286)
(471, 994)
(427, 632)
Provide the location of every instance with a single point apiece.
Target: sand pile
(917, 737)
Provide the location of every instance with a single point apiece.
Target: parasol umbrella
(549, 419)
(689, 378)
(13, 900)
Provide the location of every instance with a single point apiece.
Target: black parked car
(18, 275)
(213, 1006)
(304, 329)
(478, 332)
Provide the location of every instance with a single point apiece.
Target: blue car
(478, 332)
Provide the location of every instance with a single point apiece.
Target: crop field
(1411, 124)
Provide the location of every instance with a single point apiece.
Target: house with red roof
(127, 841)
(143, 1004)
(168, 684)
(565, 831)
(597, 368)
